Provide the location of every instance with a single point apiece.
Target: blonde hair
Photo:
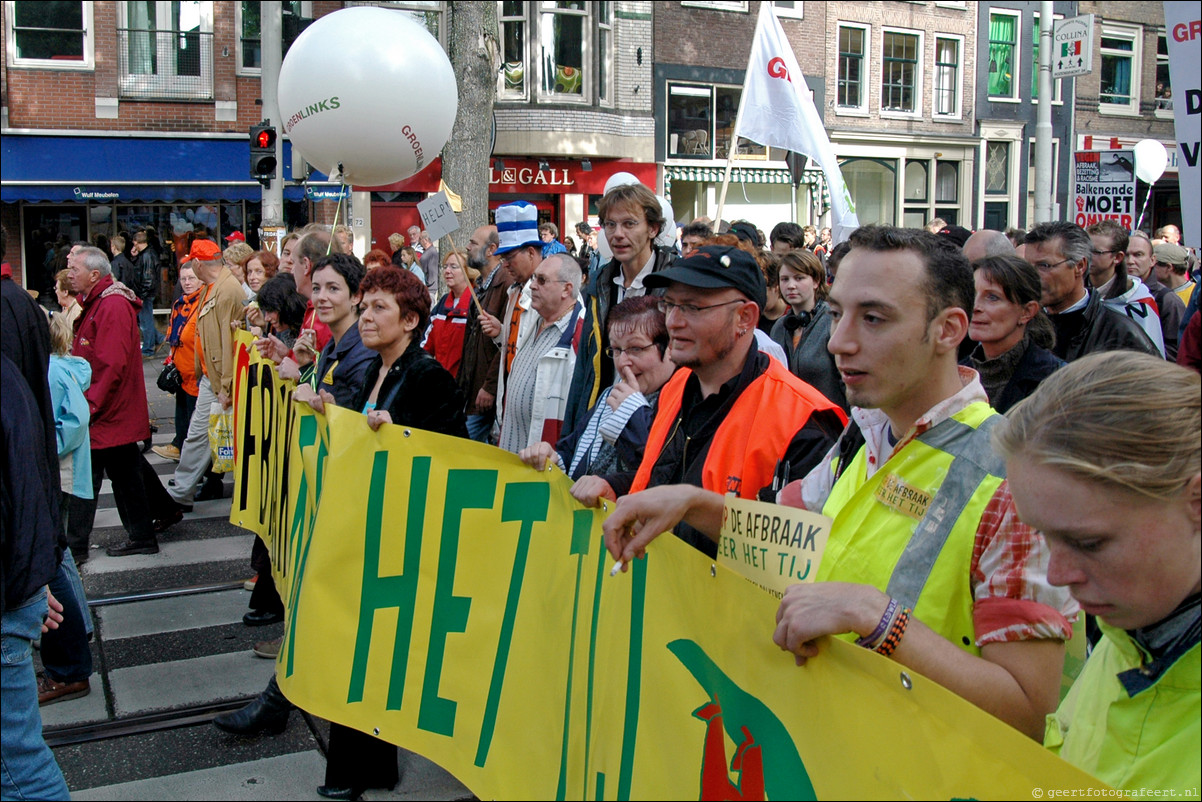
(1120, 418)
(238, 254)
(469, 272)
(61, 334)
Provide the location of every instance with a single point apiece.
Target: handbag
(170, 379)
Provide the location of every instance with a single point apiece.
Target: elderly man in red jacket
(107, 336)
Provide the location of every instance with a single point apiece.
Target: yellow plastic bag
(221, 438)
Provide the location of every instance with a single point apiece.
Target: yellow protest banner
(445, 597)
(772, 545)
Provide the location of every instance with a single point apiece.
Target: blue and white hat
(517, 225)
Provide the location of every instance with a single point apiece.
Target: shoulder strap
(973, 460)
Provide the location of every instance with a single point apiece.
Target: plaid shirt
(1012, 599)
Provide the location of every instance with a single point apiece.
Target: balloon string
(337, 208)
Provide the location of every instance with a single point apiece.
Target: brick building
(701, 52)
(118, 114)
(1128, 96)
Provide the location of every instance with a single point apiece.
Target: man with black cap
(731, 420)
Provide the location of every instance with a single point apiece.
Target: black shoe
(334, 792)
(268, 713)
(261, 618)
(133, 547)
(172, 518)
(211, 490)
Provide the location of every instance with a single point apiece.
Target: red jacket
(107, 336)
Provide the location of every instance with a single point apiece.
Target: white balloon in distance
(371, 89)
(1151, 159)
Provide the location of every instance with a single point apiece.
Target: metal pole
(272, 38)
(1043, 125)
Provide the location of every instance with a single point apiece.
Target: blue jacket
(70, 376)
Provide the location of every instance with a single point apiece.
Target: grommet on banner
(713, 570)
(407, 432)
(906, 682)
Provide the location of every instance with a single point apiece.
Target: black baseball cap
(715, 267)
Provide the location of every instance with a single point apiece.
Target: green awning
(743, 175)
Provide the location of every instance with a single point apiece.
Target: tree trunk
(472, 47)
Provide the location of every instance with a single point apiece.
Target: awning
(120, 169)
(740, 175)
(745, 175)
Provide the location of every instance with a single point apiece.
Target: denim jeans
(479, 427)
(150, 334)
(66, 655)
(27, 766)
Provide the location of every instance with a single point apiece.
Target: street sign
(438, 218)
(1072, 51)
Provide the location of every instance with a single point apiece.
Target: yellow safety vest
(909, 530)
(1149, 740)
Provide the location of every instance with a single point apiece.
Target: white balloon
(1151, 159)
(370, 89)
(620, 180)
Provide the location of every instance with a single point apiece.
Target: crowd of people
(992, 420)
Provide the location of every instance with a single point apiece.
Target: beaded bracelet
(871, 641)
(895, 633)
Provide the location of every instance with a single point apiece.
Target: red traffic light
(266, 138)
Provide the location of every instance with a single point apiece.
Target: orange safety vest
(751, 441)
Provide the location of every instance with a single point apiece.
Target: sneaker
(51, 691)
(133, 547)
(268, 649)
(168, 451)
(250, 583)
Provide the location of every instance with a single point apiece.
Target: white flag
(779, 112)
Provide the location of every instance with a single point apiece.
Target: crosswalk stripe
(291, 776)
(172, 614)
(186, 552)
(213, 678)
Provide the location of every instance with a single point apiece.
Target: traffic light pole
(1043, 125)
(272, 37)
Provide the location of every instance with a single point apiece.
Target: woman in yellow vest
(1097, 462)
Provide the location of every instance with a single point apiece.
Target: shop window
(946, 86)
(564, 48)
(1119, 92)
(297, 16)
(701, 119)
(853, 53)
(1035, 64)
(49, 35)
(1003, 55)
(900, 79)
(1164, 86)
(926, 199)
(873, 187)
(165, 49)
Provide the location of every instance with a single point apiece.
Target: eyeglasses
(543, 281)
(1044, 267)
(1103, 253)
(692, 310)
(632, 352)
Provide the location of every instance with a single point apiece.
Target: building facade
(1128, 97)
(1007, 90)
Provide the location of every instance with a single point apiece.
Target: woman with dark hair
(806, 328)
(611, 438)
(404, 385)
(283, 307)
(1014, 335)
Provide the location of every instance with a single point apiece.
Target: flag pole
(734, 134)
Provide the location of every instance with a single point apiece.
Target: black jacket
(1036, 365)
(1097, 328)
(417, 392)
(29, 522)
